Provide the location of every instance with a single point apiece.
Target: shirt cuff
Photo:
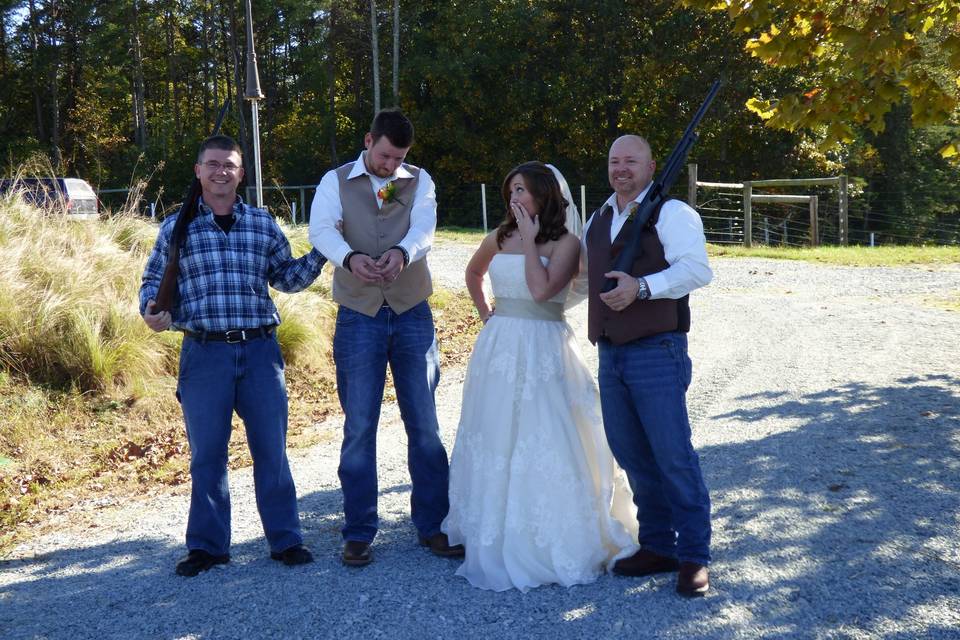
(316, 257)
(657, 284)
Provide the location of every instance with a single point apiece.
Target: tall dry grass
(68, 311)
(86, 388)
(68, 304)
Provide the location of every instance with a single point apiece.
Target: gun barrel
(657, 192)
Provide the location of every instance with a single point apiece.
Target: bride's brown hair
(545, 190)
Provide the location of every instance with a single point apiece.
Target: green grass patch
(886, 256)
(949, 302)
(463, 235)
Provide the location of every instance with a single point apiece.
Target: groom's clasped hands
(376, 271)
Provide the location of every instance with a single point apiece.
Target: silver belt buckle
(229, 335)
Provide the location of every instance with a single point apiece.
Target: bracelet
(406, 256)
(643, 293)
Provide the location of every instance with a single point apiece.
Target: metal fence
(804, 212)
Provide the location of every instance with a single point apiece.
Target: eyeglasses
(213, 165)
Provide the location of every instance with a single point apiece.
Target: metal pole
(254, 95)
(256, 151)
(583, 205)
(483, 199)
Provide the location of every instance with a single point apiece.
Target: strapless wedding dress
(535, 495)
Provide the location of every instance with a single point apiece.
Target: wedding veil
(578, 286)
(574, 224)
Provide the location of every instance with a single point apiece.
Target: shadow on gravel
(128, 589)
(843, 526)
(850, 519)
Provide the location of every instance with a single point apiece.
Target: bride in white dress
(535, 495)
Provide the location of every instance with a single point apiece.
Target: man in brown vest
(374, 219)
(640, 329)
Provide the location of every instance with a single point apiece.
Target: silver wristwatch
(643, 292)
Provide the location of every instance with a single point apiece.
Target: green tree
(856, 60)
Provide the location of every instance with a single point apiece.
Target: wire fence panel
(935, 220)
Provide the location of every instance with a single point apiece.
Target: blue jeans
(216, 378)
(362, 349)
(643, 387)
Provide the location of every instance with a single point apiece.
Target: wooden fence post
(692, 185)
(814, 228)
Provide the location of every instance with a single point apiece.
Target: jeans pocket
(678, 354)
(422, 311)
(187, 347)
(346, 316)
(684, 366)
(670, 347)
(278, 352)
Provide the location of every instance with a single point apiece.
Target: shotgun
(167, 292)
(657, 192)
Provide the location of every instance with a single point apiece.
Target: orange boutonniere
(632, 210)
(388, 192)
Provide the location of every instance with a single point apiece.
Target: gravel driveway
(826, 411)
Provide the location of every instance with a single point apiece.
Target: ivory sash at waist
(530, 309)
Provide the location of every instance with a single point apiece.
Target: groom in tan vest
(374, 218)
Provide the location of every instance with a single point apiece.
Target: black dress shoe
(198, 560)
(292, 556)
(645, 563)
(356, 553)
(440, 545)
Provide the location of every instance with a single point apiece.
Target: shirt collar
(360, 169)
(237, 207)
(612, 200)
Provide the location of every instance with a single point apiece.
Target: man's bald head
(630, 167)
(633, 143)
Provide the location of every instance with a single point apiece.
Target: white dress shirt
(680, 231)
(327, 210)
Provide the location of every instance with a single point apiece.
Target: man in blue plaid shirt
(230, 358)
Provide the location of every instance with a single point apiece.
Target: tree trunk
(238, 85)
(4, 54)
(396, 53)
(375, 47)
(172, 76)
(54, 78)
(332, 84)
(205, 45)
(139, 108)
(35, 63)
